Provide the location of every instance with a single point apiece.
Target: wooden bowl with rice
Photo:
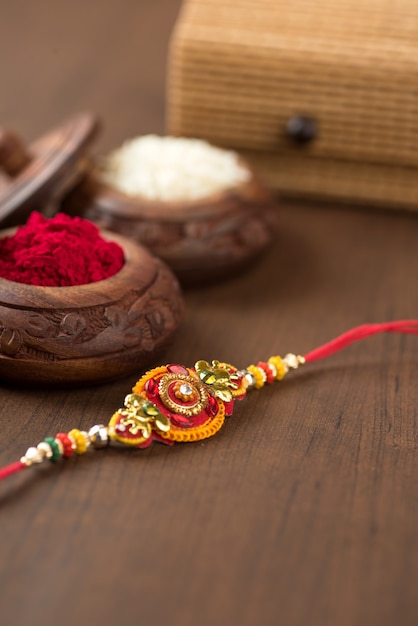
(201, 209)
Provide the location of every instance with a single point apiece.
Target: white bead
(292, 361)
(33, 455)
(45, 450)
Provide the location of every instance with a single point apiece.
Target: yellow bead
(281, 369)
(79, 439)
(259, 375)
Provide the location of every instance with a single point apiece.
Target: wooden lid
(34, 178)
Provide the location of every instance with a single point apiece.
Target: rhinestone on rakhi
(185, 392)
(186, 389)
(213, 406)
(193, 402)
(151, 387)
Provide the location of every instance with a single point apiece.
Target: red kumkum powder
(62, 251)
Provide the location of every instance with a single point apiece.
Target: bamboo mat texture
(239, 70)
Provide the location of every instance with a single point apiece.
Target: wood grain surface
(303, 510)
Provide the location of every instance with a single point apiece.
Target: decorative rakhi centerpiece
(176, 403)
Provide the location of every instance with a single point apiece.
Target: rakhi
(174, 403)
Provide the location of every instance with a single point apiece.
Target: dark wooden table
(303, 511)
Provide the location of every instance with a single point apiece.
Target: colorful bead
(66, 443)
(267, 370)
(56, 454)
(60, 446)
(281, 368)
(32, 456)
(259, 375)
(293, 361)
(80, 440)
(99, 436)
(250, 378)
(45, 449)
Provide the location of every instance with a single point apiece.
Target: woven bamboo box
(321, 96)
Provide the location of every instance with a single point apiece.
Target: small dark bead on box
(301, 129)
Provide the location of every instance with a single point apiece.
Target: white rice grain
(172, 169)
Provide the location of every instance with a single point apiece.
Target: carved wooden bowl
(201, 240)
(89, 333)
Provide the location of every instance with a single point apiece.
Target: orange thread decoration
(208, 429)
(154, 373)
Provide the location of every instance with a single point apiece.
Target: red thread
(11, 469)
(58, 252)
(361, 332)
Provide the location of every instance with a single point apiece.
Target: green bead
(56, 455)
